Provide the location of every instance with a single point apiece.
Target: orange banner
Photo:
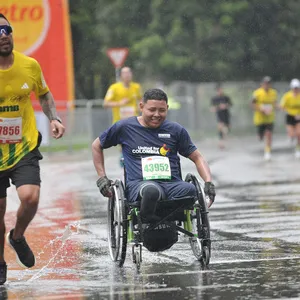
(41, 29)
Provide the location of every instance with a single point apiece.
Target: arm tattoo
(48, 106)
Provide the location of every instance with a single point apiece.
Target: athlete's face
(266, 85)
(154, 112)
(6, 40)
(126, 75)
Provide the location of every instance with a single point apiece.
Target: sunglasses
(5, 29)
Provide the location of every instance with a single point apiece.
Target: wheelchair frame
(125, 226)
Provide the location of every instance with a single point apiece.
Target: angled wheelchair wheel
(200, 243)
(117, 224)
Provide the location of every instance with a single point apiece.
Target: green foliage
(196, 40)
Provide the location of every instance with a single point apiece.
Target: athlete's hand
(223, 106)
(209, 190)
(57, 129)
(124, 101)
(104, 185)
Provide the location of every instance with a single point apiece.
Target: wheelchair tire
(201, 245)
(137, 260)
(206, 256)
(117, 224)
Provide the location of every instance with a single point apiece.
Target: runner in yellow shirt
(290, 103)
(264, 105)
(123, 97)
(19, 141)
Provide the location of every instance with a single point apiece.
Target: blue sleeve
(111, 136)
(186, 146)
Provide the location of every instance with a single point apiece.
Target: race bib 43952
(156, 167)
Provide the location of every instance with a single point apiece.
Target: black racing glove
(104, 185)
(209, 190)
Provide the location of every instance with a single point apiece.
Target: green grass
(58, 148)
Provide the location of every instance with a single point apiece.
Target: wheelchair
(189, 215)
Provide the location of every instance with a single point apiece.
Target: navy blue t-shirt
(138, 141)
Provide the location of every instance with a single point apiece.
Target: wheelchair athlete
(150, 146)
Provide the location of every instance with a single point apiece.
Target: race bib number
(10, 130)
(156, 167)
(127, 112)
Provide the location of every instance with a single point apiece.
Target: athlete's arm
(139, 96)
(103, 183)
(201, 164)
(204, 172)
(115, 103)
(229, 101)
(256, 106)
(109, 99)
(213, 106)
(283, 102)
(98, 157)
(49, 109)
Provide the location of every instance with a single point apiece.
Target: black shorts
(291, 120)
(223, 116)
(264, 127)
(26, 171)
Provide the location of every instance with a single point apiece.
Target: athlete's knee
(29, 194)
(150, 195)
(191, 190)
(186, 189)
(2, 208)
(150, 191)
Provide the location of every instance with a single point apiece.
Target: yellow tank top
(18, 131)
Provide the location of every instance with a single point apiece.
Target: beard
(8, 52)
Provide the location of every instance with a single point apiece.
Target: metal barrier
(86, 119)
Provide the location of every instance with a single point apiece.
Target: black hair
(3, 17)
(155, 94)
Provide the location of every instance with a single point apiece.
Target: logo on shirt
(164, 150)
(9, 108)
(164, 135)
(146, 150)
(25, 86)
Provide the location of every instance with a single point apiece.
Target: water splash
(70, 230)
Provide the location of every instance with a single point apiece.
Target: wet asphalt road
(254, 225)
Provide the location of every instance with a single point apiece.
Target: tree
(195, 40)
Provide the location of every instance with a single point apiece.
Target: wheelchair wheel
(117, 224)
(200, 244)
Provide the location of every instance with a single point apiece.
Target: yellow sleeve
(110, 94)
(255, 95)
(139, 92)
(283, 101)
(40, 85)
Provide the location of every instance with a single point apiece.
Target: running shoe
(25, 257)
(3, 273)
(267, 156)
